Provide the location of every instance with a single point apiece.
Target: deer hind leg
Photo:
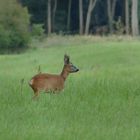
(36, 93)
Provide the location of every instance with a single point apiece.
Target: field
(100, 102)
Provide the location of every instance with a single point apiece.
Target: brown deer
(50, 82)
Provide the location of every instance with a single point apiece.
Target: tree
(54, 12)
(127, 16)
(69, 15)
(49, 17)
(111, 12)
(81, 17)
(91, 6)
(134, 18)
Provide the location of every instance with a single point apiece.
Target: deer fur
(50, 82)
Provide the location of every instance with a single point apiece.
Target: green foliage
(37, 30)
(14, 24)
(119, 27)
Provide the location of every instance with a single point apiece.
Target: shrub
(37, 30)
(14, 24)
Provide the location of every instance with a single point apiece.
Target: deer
(52, 82)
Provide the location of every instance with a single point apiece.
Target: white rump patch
(31, 82)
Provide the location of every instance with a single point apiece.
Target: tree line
(22, 19)
(86, 16)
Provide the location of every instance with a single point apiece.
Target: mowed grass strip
(100, 102)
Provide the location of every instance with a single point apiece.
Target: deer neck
(64, 74)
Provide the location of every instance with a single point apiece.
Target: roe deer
(51, 82)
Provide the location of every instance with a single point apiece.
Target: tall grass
(100, 102)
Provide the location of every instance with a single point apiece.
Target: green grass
(100, 102)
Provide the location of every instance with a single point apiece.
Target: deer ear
(66, 59)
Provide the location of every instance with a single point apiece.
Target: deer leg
(36, 93)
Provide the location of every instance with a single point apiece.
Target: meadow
(100, 102)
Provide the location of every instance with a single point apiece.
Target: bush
(37, 30)
(14, 24)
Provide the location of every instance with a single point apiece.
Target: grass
(100, 102)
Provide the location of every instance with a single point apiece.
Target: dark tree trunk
(134, 18)
(49, 17)
(91, 6)
(81, 17)
(111, 5)
(127, 16)
(54, 12)
(69, 15)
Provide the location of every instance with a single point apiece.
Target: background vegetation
(14, 23)
(22, 19)
(85, 16)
